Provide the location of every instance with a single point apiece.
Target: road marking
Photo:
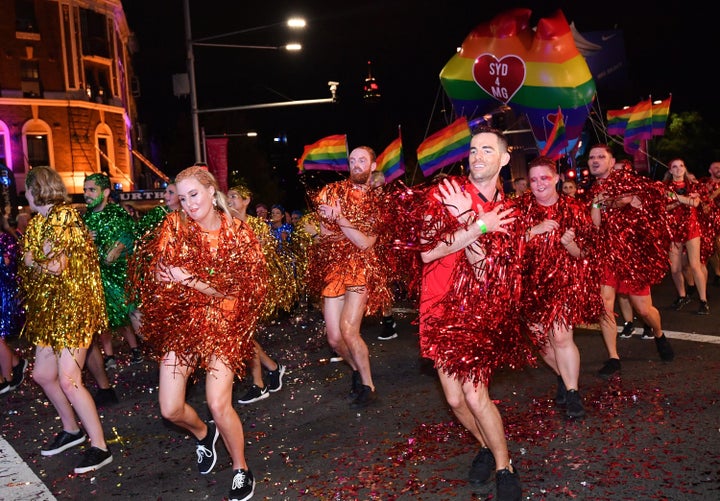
(691, 336)
(17, 480)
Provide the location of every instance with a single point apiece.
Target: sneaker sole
(14, 386)
(383, 338)
(94, 467)
(217, 434)
(250, 494)
(65, 447)
(281, 368)
(261, 397)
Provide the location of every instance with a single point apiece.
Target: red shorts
(623, 286)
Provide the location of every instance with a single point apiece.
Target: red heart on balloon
(501, 78)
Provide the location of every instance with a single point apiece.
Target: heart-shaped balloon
(533, 71)
(500, 78)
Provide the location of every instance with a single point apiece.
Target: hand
(546, 226)
(495, 219)
(568, 237)
(165, 273)
(331, 212)
(456, 200)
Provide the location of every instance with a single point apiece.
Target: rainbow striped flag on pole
(445, 147)
(391, 162)
(329, 153)
(557, 141)
(617, 121)
(660, 113)
(639, 126)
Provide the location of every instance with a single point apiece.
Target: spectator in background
(262, 212)
(569, 187)
(520, 187)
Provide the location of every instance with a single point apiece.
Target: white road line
(17, 480)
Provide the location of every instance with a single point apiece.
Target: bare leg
(608, 323)
(171, 395)
(96, 366)
(45, 373)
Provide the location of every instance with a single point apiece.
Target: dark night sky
(408, 43)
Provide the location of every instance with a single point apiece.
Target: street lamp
(295, 23)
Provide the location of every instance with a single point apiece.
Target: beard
(91, 204)
(360, 177)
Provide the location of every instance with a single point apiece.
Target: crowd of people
(500, 280)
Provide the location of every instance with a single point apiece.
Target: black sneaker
(575, 407)
(254, 394)
(62, 442)
(664, 349)
(136, 356)
(680, 303)
(508, 485)
(334, 357)
(482, 467)
(355, 385)
(690, 291)
(611, 366)
(389, 329)
(275, 379)
(206, 455)
(243, 485)
(94, 459)
(366, 397)
(561, 394)
(105, 397)
(18, 374)
(4, 387)
(647, 333)
(628, 330)
(703, 309)
(110, 363)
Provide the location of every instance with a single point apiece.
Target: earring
(214, 202)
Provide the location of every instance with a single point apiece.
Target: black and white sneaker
(482, 469)
(94, 459)
(389, 329)
(62, 442)
(254, 394)
(243, 485)
(334, 357)
(275, 379)
(4, 387)
(647, 333)
(628, 330)
(18, 374)
(206, 455)
(110, 363)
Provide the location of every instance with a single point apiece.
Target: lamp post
(190, 43)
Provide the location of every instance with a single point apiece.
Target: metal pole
(270, 105)
(191, 78)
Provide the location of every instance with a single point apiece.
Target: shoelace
(239, 480)
(203, 451)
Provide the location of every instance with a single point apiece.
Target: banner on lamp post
(216, 149)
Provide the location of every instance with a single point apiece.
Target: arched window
(37, 144)
(104, 149)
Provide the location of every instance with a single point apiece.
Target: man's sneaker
(647, 333)
(389, 329)
(611, 366)
(628, 330)
(664, 349)
(574, 407)
(561, 394)
(4, 387)
(482, 467)
(105, 397)
(364, 398)
(703, 309)
(508, 485)
(355, 385)
(243, 485)
(206, 455)
(254, 394)
(334, 357)
(136, 356)
(94, 459)
(62, 442)
(110, 363)
(680, 303)
(275, 379)
(18, 374)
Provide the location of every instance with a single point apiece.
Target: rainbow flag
(617, 121)
(639, 126)
(557, 141)
(329, 153)
(660, 113)
(445, 147)
(391, 162)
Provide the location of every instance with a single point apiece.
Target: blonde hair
(46, 186)
(202, 175)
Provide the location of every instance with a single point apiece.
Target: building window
(25, 21)
(94, 34)
(38, 152)
(30, 78)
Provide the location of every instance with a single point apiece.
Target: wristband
(597, 206)
(481, 225)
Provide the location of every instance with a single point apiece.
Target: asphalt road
(651, 433)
